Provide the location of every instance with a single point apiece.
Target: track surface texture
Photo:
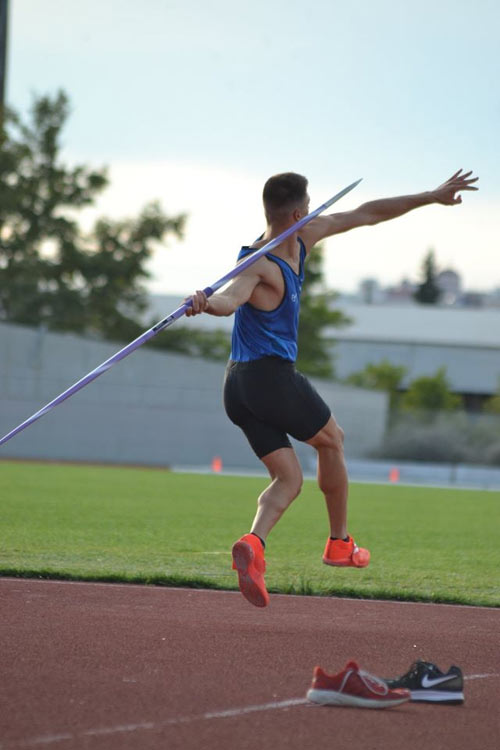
(106, 666)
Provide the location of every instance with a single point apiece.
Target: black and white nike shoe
(426, 682)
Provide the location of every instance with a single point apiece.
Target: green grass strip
(149, 526)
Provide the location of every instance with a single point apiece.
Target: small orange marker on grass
(217, 464)
(394, 475)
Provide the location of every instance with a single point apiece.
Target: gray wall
(152, 409)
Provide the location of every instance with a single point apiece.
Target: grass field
(102, 523)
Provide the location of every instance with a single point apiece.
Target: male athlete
(263, 392)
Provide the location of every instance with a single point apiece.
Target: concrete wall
(152, 409)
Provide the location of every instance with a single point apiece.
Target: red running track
(102, 667)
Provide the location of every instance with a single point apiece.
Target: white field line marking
(119, 728)
(227, 713)
(47, 740)
(250, 709)
(143, 726)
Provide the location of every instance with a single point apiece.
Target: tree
(430, 394)
(50, 272)
(34, 190)
(492, 405)
(428, 292)
(382, 376)
(316, 314)
(115, 269)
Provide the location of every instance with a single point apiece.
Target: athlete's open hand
(199, 303)
(446, 193)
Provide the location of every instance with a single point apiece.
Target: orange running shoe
(248, 560)
(354, 687)
(345, 554)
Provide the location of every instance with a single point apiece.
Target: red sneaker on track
(354, 687)
(345, 554)
(248, 560)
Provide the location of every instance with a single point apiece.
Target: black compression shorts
(270, 400)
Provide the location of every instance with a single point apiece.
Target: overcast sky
(197, 103)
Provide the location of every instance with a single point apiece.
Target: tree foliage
(316, 314)
(492, 405)
(51, 272)
(443, 436)
(428, 292)
(430, 394)
(426, 396)
(380, 376)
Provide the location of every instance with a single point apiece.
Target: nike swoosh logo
(431, 681)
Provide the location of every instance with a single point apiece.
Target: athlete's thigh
(329, 436)
(240, 395)
(264, 438)
(277, 395)
(307, 412)
(262, 389)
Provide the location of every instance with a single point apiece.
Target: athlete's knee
(330, 437)
(291, 482)
(285, 471)
(283, 490)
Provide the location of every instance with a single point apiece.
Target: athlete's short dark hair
(283, 192)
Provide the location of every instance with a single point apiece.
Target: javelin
(177, 313)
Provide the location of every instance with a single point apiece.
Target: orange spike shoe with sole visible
(248, 560)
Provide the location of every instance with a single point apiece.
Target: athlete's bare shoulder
(266, 279)
(314, 232)
(258, 244)
(259, 268)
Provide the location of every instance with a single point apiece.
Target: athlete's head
(284, 195)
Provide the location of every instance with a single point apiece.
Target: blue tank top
(262, 333)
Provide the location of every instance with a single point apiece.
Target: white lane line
(227, 713)
(149, 725)
(47, 740)
(119, 728)
(250, 709)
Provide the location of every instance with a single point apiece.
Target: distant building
(473, 299)
(401, 294)
(493, 298)
(453, 294)
(423, 339)
(370, 292)
(450, 284)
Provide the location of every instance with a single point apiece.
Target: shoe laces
(375, 684)
(418, 665)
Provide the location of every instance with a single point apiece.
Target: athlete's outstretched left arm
(373, 212)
